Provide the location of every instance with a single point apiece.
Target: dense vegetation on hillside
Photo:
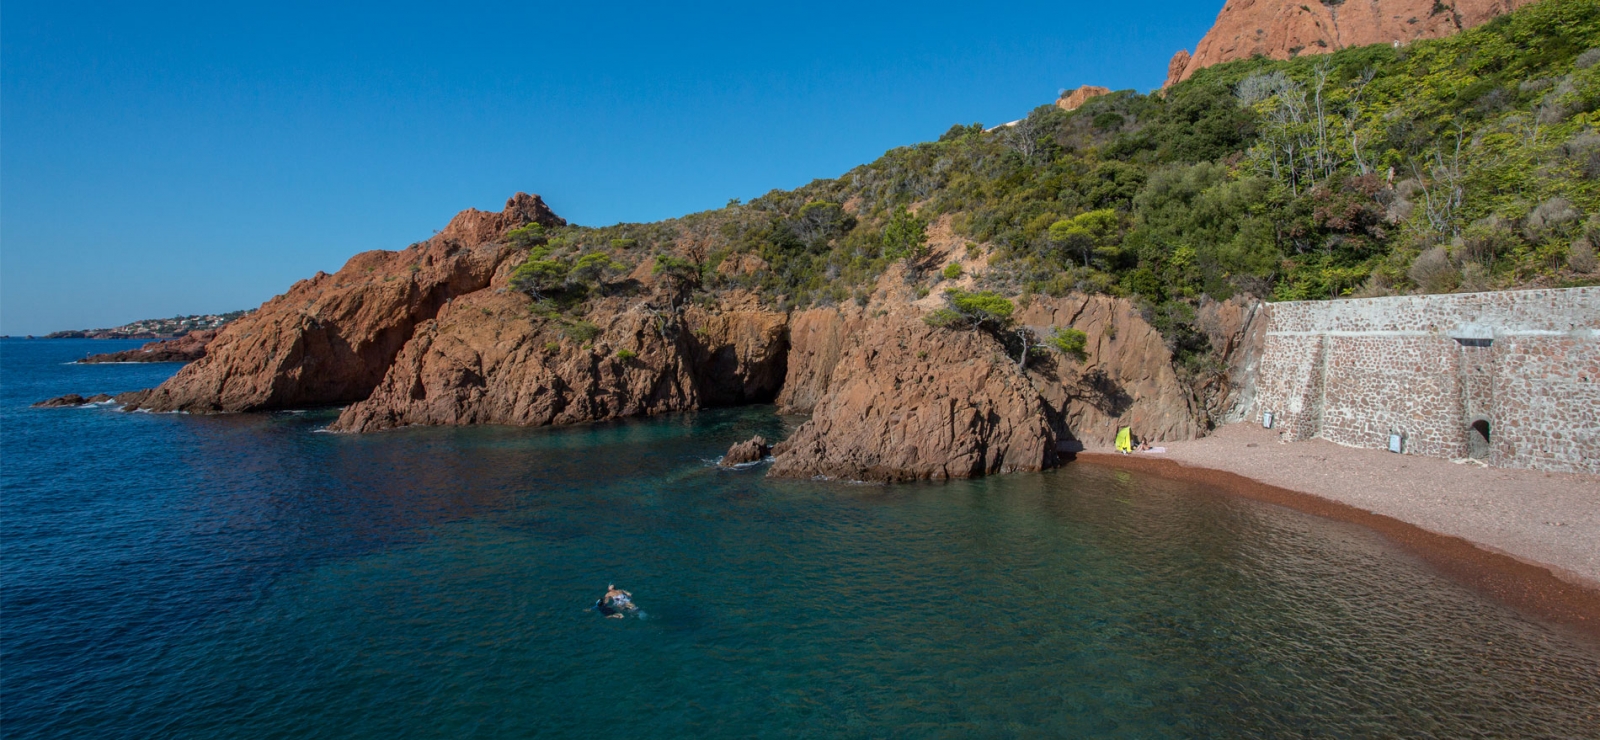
(1465, 163)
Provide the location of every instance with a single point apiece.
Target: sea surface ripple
(244, 576)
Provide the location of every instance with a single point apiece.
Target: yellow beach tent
(1124, 440)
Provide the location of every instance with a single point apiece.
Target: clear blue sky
(171, 158)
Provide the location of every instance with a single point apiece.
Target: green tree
(981, 310)
(821, 221)
(540, 277)
(675, 269)
(1095, 233)
(526, 236)
(595, 267)
(905, 236)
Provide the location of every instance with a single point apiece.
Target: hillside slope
(975, 304)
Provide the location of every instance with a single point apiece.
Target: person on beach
(615, 603)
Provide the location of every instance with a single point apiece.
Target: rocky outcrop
(908, 401)
(187, 348)
(1280, 29)
(332, 338)
(473, 227)
(71, 400)
(1178, 67)
(1127, 378)
(1074, 99)
(817, 338)
(486, 359)
(1237, 329)
(749, 451)
(436, 335)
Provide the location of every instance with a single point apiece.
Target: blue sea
(247, 576)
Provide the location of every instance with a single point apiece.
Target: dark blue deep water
(247, 576)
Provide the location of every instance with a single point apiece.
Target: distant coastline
(170, 328)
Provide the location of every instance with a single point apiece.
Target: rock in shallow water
(751, 450)
(187, 348)
(70, 400)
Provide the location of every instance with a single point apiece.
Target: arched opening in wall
(1478, 440)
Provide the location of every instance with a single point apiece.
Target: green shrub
(952, 271)
(624, 243)
(819, 222)
(1232, 181)
(626, 354)
(581, 332)
(1070, 342)
(945, 318)
(526, 236)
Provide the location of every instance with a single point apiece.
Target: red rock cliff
(1280, 29)
(435, 335)
(1074, 99)
(331, 338)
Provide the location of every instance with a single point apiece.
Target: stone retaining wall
(1522, 365)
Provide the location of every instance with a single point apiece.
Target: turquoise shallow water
(246, 576)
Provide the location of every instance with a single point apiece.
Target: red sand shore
(1528, 538)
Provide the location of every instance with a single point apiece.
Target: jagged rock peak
(473, 227)
(1281, 29)
(1074, 99)
(1177, 67)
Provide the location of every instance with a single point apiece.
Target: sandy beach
(1528, 537)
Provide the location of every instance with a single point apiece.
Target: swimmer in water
(615, 602)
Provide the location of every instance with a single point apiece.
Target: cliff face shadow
(1094, 388)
